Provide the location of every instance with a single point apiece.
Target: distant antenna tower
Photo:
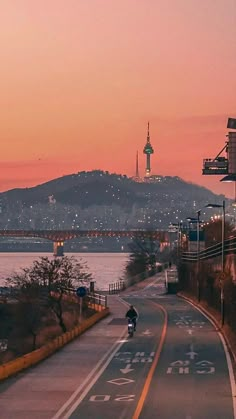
(148, 150)
(137, 168)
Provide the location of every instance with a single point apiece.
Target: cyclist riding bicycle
(132, 314)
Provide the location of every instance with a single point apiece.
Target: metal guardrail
(116, 287)
(212, 251)
(92, 297)
(7, 293)
(96, 298)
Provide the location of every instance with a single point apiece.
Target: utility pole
(198, 254)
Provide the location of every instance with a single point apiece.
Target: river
(104, 267)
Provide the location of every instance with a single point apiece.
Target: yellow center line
(153, 367)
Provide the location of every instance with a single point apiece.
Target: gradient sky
(79, 79)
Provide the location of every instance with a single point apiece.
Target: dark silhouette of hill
(102, 188)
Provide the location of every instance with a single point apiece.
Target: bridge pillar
(58, 248)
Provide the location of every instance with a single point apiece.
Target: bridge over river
(58, 237)
(176, 366)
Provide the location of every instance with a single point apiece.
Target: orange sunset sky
(79, 79)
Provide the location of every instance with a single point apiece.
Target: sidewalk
(40, 391)
(141, 284)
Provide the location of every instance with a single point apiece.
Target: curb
(21, 363)
(214, 321)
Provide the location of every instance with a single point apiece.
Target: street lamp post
(178, 227)
(198, 254)
(222, 300)
(197, 221)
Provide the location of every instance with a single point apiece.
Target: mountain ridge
(88, 196)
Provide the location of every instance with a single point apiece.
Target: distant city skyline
(79, 81)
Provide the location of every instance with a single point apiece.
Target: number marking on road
(107, 397)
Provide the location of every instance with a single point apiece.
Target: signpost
(81, 292)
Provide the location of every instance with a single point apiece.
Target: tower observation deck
(148, 150)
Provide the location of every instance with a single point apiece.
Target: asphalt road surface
(175, 366)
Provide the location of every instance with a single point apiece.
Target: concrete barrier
(96, 307)
(172, 281)
(16, 365)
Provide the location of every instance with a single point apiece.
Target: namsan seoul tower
(148, 150)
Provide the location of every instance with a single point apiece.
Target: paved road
(175, 366)
(187, 377)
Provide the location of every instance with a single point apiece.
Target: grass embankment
(18, 364)
(27, 329)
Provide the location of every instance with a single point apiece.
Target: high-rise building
(148, 150)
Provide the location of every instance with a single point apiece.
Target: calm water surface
(104, 267)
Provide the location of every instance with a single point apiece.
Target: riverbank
(26, 327)
(18, 364)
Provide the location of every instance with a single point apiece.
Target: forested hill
(166, 198)
(101, 188)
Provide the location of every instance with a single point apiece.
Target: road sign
(81, 292)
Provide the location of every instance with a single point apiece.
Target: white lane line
(111, 351)
(156, 281)
(90, 385)
(228, 358)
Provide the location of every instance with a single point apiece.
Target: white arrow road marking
(126, 369)
(147, 332)
(190, 332)
(192, 354)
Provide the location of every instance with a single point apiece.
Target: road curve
(117, 390)
(175, 367)
(187, 376)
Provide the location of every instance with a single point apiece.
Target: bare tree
(45, 283)
(213, 232)
(143, 256)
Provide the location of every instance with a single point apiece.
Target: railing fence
(212, 251)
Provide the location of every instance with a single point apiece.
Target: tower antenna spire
(148, 150)
(137, 168)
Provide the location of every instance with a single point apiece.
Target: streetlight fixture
(222, 255)
(178, 229)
